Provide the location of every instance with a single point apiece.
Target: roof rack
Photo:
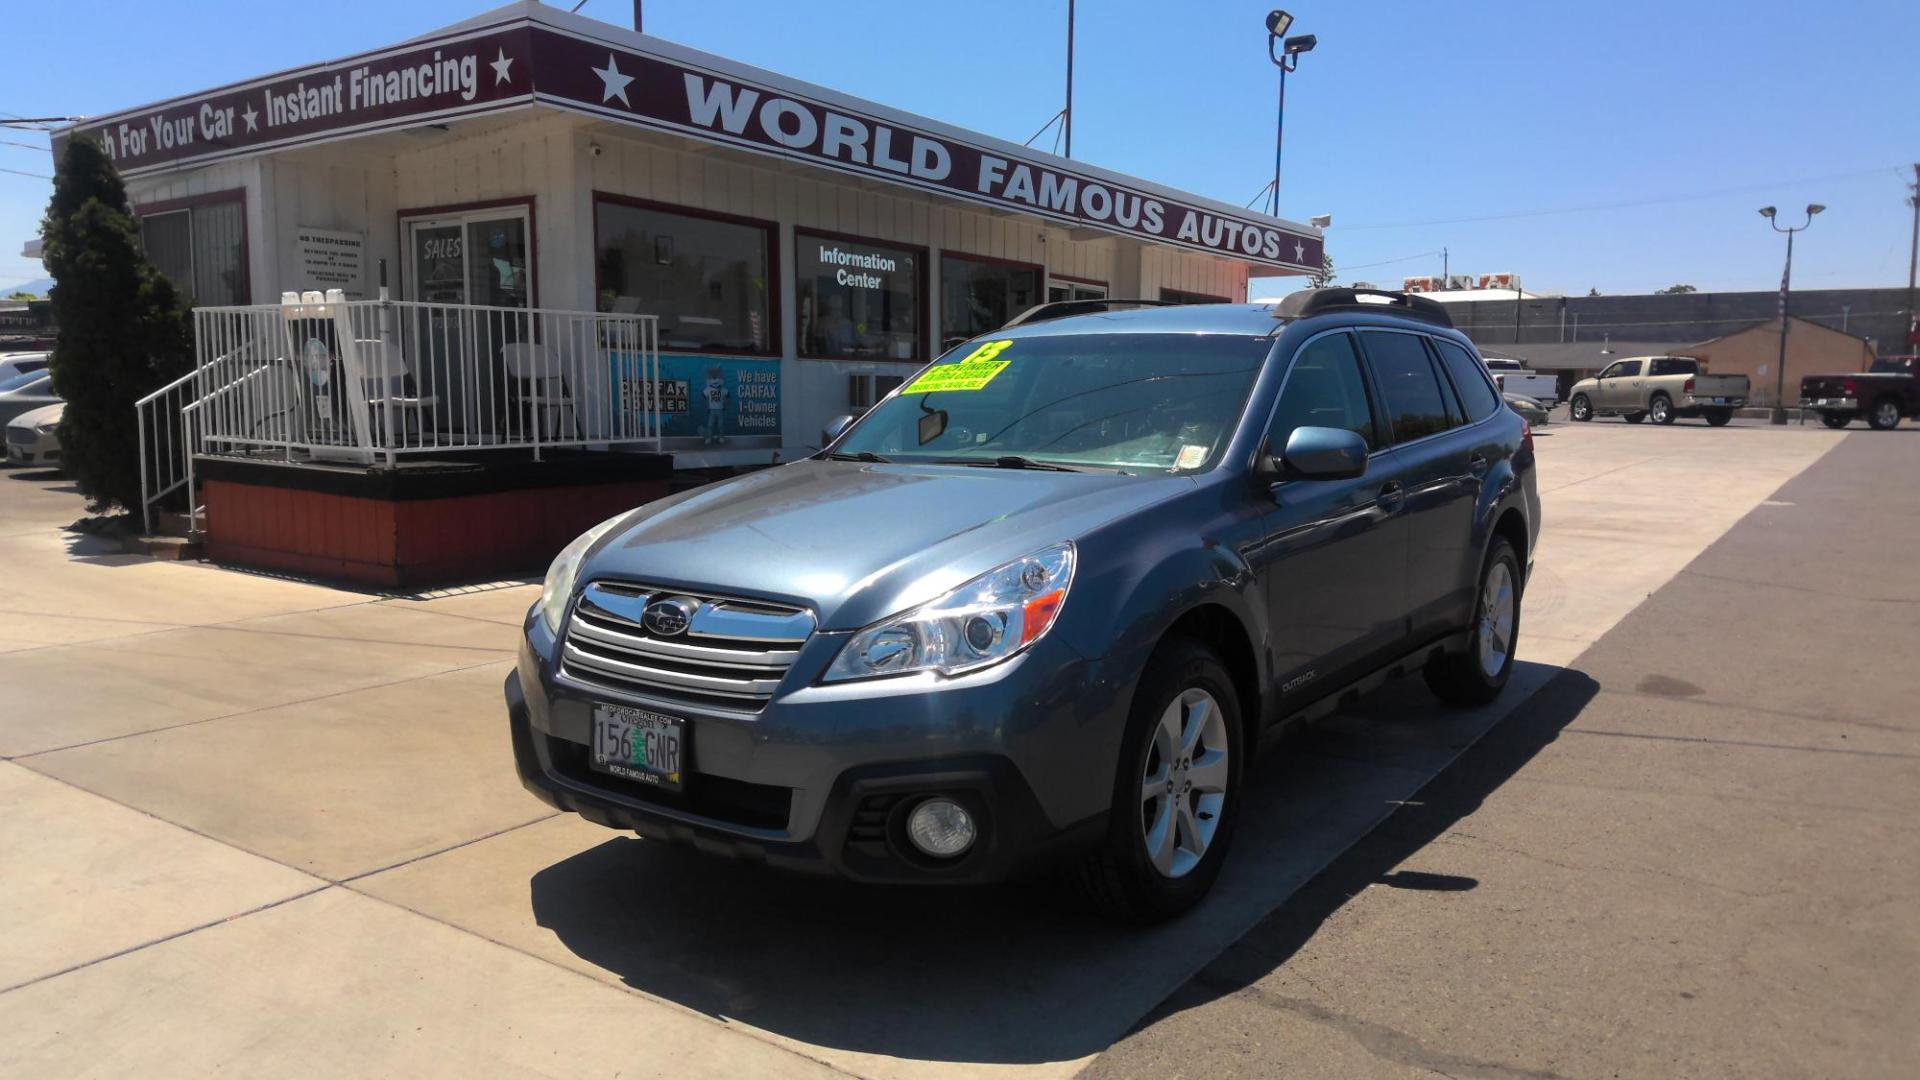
(1308, 302)
(1060, 309)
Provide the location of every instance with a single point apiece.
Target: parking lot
(272, 827)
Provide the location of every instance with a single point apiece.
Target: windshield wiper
(1010, 461)
(864, 455)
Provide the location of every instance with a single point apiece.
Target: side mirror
(834, 428)
(1322, 453)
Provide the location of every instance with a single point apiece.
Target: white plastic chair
(387, 378)
(541, 383)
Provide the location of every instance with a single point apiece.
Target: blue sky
(1416, 125)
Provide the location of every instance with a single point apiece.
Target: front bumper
(822, 778)
(32, 448)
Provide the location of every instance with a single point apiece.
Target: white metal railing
(368, 381)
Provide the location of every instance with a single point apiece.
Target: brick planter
(424, 524)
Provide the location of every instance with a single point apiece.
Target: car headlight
(566, 566)
(982, 622)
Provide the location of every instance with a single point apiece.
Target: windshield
(1137, 402)
(27, 379)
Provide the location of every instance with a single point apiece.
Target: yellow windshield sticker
(987, 352)
(972, 375)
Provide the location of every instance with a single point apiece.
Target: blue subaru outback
(1041, 604)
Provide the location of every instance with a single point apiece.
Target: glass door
(478, 259)
(1058, 290)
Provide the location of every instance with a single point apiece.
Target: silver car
(33, 437)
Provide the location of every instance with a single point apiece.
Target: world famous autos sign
(581, 67)
(758, 114)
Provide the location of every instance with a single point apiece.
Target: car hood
(42, 415)
(858, 542)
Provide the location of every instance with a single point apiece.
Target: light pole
(1786, 277)
(1285, 55)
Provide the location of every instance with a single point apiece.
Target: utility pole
(1443, 268)
(1913, 250)
(1067, 114)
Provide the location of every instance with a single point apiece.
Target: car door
(1333, 554)
(1439, 465)
(1622, 392)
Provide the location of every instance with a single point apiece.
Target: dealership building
(795, 251)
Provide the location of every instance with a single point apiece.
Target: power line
(27, 146)
(35, 175)
(1624, 205)
(1389, 262)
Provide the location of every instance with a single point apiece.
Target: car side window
(1468, 378)
(1609, 372)
(1628, 369)
(1324, 389)
(1416, 403)
(1675, 365)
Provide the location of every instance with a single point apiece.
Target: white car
(21, 363)
(33, 438)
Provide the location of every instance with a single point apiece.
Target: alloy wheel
(1886, 414)
(1183, 785)
(1495, 632)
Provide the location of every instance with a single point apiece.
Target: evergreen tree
(123, 329)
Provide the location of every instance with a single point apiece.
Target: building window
(201, 247)
(1181, 296)
(858, 300)
(708, 278)
(978, 295)
(1062, 289)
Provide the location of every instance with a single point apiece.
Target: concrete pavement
(332, 783)
(1690, 855)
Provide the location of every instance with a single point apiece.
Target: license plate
(635, 744)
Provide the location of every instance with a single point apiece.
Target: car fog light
(941, 828)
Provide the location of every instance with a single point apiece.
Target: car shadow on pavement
(1020, 973)
(1453, 795)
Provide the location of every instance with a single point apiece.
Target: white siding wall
(363, 186)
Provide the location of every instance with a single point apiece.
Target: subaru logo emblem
(671, 616)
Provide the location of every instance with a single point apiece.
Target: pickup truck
(1887, 392)
(1512, 377)
(1662, 387)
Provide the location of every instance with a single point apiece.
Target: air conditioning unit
(1499, 281)
(1420, 284)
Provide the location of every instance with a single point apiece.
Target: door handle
(1392, 495)
(1477, 464)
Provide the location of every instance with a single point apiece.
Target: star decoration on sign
(500, 65)
(251, 117)
(612, 83)
(1299, 252)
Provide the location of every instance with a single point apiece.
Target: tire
(1120, 876)
(1719, 417)
(1635, 417)
(1476, 676)
(1836, 420)
(1580, 409)
(1660, 409)
(1885, 415)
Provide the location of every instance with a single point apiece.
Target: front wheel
(1885, 415)
(1476, 676)
(1661, 409)
(1719, 417)
(1581, 409)
(1836, 420)
(1177, 793)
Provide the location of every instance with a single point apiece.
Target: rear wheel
(1581, 409)
(1477, 676)
(1177, 793)
(1719, 417)
(1836, 420)
(1661, 409)
(1885, 415)
(1635, 417)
